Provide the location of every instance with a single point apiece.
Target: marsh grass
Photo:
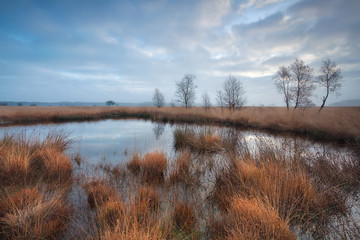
(31, 214)
(184, 217)
(151, 167)
(333, 123)
(26, 159)
(181, 170)
(276, 192)
(35, 176)
(149, 196)
(98, 193)
(195, 140)
(254, 219)
(271, 193)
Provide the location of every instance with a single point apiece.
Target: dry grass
(134, 164)
(98, 193)
(153, 167)
(112, 214)
(131, 229)
(181, 170)
(262, 195)
(184, 217)
(253, 219)
(149, 196)
(285, 187)
(30, 160)
(203, 141)
(337, 123)
(29, 214)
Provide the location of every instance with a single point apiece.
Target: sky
(99, 50)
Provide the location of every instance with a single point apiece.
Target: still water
(114, 141)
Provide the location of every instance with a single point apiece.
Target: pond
(113, 141)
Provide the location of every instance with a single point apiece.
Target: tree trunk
(323, 103)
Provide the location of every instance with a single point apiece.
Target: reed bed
(35, 176)
(266, 194)
(274, 192)
(332, 123)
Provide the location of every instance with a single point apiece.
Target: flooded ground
(105, 148)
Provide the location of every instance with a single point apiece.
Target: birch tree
(330, 77)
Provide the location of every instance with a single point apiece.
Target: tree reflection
(158, 130)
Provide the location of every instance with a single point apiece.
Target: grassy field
(332, 123)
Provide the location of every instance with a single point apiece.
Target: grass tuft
(184, 217)
(30, 214)
(98, 193)
(134, 164)
(153, 166)
(252, 219)
(149, 196)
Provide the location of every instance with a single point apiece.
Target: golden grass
(262, 195)
(112, 214)
(153, 166)
(30, 160)
(149, 196)
(29, 214)
(134, 164)
(253, 219)
(282, 185)
(184, 217)
(197, 141)
(181, 170)
(337, 123)
(98, 193)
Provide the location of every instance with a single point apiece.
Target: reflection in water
(158, 130)
(113, 141)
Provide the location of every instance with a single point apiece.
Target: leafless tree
(233, 94)
(330, 76)
(282, 82)
(206, 101)
(185, 92)
(303, 87)
(158, 98)
(220, 100)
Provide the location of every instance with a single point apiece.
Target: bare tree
(282, 82)
(220, 100)
(206, 101)
(329, 77)
(303, 88)
(185, 92)
(158, 98)
(233, 94)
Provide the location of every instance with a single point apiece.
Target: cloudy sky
(94, 50)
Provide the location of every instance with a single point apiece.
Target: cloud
(125, 49)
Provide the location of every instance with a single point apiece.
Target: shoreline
(340, 124)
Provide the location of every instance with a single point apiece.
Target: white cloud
(212, 12)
